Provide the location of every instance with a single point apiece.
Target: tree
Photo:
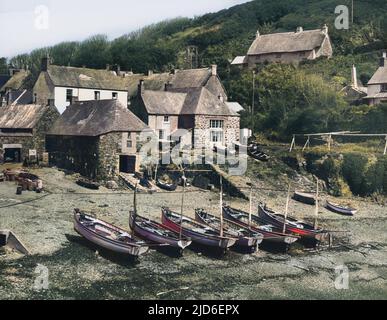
(93, 53)
(3, 66)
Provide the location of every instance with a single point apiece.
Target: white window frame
(97, 95)
(166, 119)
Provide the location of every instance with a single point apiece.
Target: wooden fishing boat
(86, 183)
(166, 186)
(271, 234)
(301, 228)
(108, 236)
(341, 209)
(305, 197)
(157, 233)
(199, 233)
(255, 152)
(246, 238)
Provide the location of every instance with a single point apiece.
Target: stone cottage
(98, 139)
(287, 47)
(22, 131)
(62, 86)
(211, 120)
(377, 86)
(16, 89)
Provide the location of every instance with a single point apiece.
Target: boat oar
(221, 206)
(317, 204)
(182, 207)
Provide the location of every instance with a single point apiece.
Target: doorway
(128, 164)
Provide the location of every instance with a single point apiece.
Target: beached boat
(166, 186)
(301, 228)
(198, 232)
(255, 152)
(246, 238)
(305, 197)
(341, 209)
(271, 234)
(108, 236)
(88, 184)
(157, 233)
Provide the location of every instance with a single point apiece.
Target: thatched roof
(17, 81)
(86, 78)
(21, 116)
(196, 101)
(380, 76)
(287, 42)
(95, 118)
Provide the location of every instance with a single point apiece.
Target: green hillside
(284, 105)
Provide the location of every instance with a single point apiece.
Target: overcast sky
(29, 24)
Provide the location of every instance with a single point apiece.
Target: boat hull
(308, 234)
(143, 233)
(340, 210)
(130, 249)
(269, 236)
(304, 198)
(210, 241)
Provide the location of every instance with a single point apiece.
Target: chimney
(140, 88)
(325, 29)
(258, 34)
(383, 59)
(299, 29)
(108, 67)
(45, 63)
(354, 77)
(117, 69)
(150, 73)
(220, 97)
(214, 70)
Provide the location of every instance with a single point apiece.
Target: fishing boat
(341, 209)
(254, 151)
(198, 232)
(108, 236)
(88, 184)
(157, 233)
(166, 186)
(271, 234)
(291, 225)
(305, 197)
(246, 238)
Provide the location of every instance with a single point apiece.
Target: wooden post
(329, 142)
(307, 144)
(317, 205)
(221, 206)
(293, 144)
(286, 210)
(157, 167)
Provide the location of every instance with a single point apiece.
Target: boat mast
(221, 206)
(251, 205)
(286, 209)
(182, 206)
(135, 201)
(317, 204)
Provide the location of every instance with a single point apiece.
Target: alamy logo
(41, 281)
(342, 278)
(342, 19)
(42, 17)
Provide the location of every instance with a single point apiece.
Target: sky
(29, 24)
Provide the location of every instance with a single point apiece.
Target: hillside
(283, 105)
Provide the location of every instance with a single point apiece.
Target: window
(69, 95)
(216, 124)
(97, 95)
(216, 136)
(114, 95)
(166, 119)
(161, 135)
(35, 97)
(384, 87)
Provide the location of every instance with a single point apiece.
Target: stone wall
(231, 131)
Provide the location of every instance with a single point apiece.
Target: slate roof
(21, 116)
(287, 42)
(196, 101)
(95, 118)
(4, 79)
(86, 78)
